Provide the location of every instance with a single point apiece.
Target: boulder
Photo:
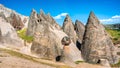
(96, 42)
(68, 28)
(66, 40)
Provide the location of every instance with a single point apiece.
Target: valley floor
(12, 59)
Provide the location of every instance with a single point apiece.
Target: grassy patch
(34, 59)
(77, 62)
(115, 33)
(22, 34)
(116, 65)
(118, 53)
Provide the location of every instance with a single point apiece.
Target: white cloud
(116, 16)
(60, 16)
(113, 19)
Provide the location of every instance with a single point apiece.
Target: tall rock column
(97, 44)
(68, 28)
(32, 23)
(79, 28)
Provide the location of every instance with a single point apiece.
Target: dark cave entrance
(78, 44)
(58, 58)
(98, 61)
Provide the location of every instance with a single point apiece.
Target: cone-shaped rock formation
(97, 44)
(68, 28)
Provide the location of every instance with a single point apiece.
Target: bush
(22, 34)
(77, 62)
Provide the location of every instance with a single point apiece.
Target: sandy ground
(86, 65)
(8, 61)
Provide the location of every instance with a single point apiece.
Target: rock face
(47, 38)
(80, 29)
(15, 21)
(97, 43)
(35, 18)
(3, 16)
(9, 35)
(8, 12)
(43, 44)
(68, 28)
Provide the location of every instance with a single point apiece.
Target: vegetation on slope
(115, 33)
(22, 34)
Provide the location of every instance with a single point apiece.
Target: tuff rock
(45, 44)
(47, 39)
(15, 21)
(68, 28)
(80, 29)
(96, 43)
(9, 36)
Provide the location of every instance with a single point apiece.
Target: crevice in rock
(78, 44)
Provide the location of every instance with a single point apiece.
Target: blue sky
(108, 11)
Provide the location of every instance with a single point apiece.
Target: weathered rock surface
(97, 43)
(15, 21)
(3, 16)
(7, 12)
(47, 38)
(43, 44)
(68, 28)
(47, 19)
(80, 29)
(9, 35)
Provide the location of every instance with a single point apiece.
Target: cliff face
(97, 44)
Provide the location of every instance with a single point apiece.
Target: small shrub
(77, 62)
(22, 34)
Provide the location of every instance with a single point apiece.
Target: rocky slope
(9, 36)
(13, 16)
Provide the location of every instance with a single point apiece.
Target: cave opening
(58, 58)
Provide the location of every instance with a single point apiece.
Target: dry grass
(34, 59)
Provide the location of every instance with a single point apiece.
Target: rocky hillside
(17, 20)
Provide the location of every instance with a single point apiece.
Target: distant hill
(113, 26)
